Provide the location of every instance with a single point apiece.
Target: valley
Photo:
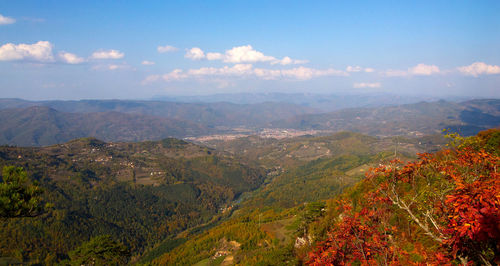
(249, 133)
(218, 194)
(146, 193)
(27, 123)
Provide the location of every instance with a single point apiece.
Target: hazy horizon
(237, 96)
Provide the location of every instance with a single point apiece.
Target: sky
(141, 49)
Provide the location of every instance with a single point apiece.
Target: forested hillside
(39, 126)
(291, 152)
(438, 208)
(304, 171)
(289, 201)
(27, 123)
(138, 193)
(207, 114)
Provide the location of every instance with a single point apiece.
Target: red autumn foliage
(473, 211)
(358, 237)
(452, 196)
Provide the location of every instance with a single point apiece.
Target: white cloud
(247, 70)
(40, 51)
(479, 68)
(115, 67)
(288, 61)
(285, 61)
(166, 49)
(147, 63)
(70, 58)
(267, 74)
(176, 74)
(396, 73)
(359, 69)
(367, 85)
(305, 73)
(245, 54)
(418, 70)
(195, 53)
(215, 56)
(424, 70)
(241, 55)
(353, 69)
(236, 70)
(6, 20)
(112, 67)
(150, 79)
(109, 54)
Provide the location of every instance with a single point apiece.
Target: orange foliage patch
(460, 211)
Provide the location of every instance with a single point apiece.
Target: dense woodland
(345, 198)
(442, 208)
(137, 193)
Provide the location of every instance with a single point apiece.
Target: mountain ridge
(417, 119)
(40, 126)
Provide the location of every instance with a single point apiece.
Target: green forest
(334, 199)
(138, 194)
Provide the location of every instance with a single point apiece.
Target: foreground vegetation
(175, 203)
(442, 208)
(272, 225)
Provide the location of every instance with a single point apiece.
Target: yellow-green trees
(18, 196)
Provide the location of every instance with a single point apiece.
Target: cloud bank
(166, 49)
(147, 63)
(40, 51)
(112, 67)
(195, 53)
(359, 69)
(70, 58)
(108, 54)
(479, 68)
(6, 20)
(246, 70)
(240, 55)
(418, 70)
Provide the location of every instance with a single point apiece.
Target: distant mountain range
(207, 114)
(421, 118)
(323, 102)
(40, 126)
(30, 123)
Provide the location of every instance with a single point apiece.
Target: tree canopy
(19, 197)
(100, 250)
(442, 209)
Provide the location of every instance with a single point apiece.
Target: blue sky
(138, 49)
